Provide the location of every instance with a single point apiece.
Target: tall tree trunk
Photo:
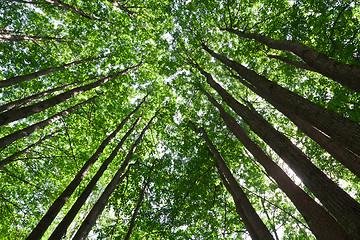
(348, 158)
(344, 208)
(62, 227)
(14, 156)
(297, 64)
(260, 231)
(26, 77)
(63, 5)
(23, 101)
(343, 130)
(138, 205)
(99, 206)
(5, 141)
(8, 36)
(321, 223)
(54, 209)
(346, 75)
(16, 114)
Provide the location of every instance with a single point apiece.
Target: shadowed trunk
(346, 75)
(343, 130)
(294, 63)
(99, 206)
(23, 101)
(54, 209)
(16, 114)
(321, 223)
(26, 77)
(257, 228)
(7, 140)
(344, 208)
(62, 227)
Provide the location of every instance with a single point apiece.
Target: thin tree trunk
(344, 208)
(346, 75)
(63, 5)
(14, 156)
(99, 206)
(23, 101)
(16, 114)
(7, 36)
(7, 140)
(54, 209)
(62, 227)
(321, 223)
(343, 130)
(138, 205)
(341, 153)
(26, 77)
(294, 63)
(258, 228)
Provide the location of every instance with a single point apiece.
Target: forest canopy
(196, 119)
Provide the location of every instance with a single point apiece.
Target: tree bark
(62, 227)
(14, 156)
(343, 130)
(26, 77)
(99, 206)
(138, 205)
(23, 101)
(346, 75)
(258, 230)
(347, 158)
(5, 141)
(297, 64)
(54, 209)
(344, 208)
(7, 36)
(16, 114)
(321, 223)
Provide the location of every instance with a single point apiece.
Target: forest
(180, 119)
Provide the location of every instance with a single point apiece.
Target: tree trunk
(14, 156)
(23, 101)
(260, 231)
(321, 223)
(123, 8)
(16, 114)
(62, 227)
(344, 131)
(346, 75)
(339, 152)
(297, 64)
(138, 205)
(54, 209)
(99, 206)
(7, 36)
(26, 77)
(344, 208)
(5, 141)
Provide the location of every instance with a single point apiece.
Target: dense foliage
(185, 198)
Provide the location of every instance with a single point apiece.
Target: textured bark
(138, 205)
(26, 77)
(294, 63)
(14, 156)
(62, 227)
(99, 206)
(338, 151)
(344, 208)
(16, 114)
(258, 230)
(346, 75)
(342, 130)
(54, 209)
(23, 101)
(321, 223)
(5, 141)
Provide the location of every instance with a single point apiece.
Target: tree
(285, 123)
